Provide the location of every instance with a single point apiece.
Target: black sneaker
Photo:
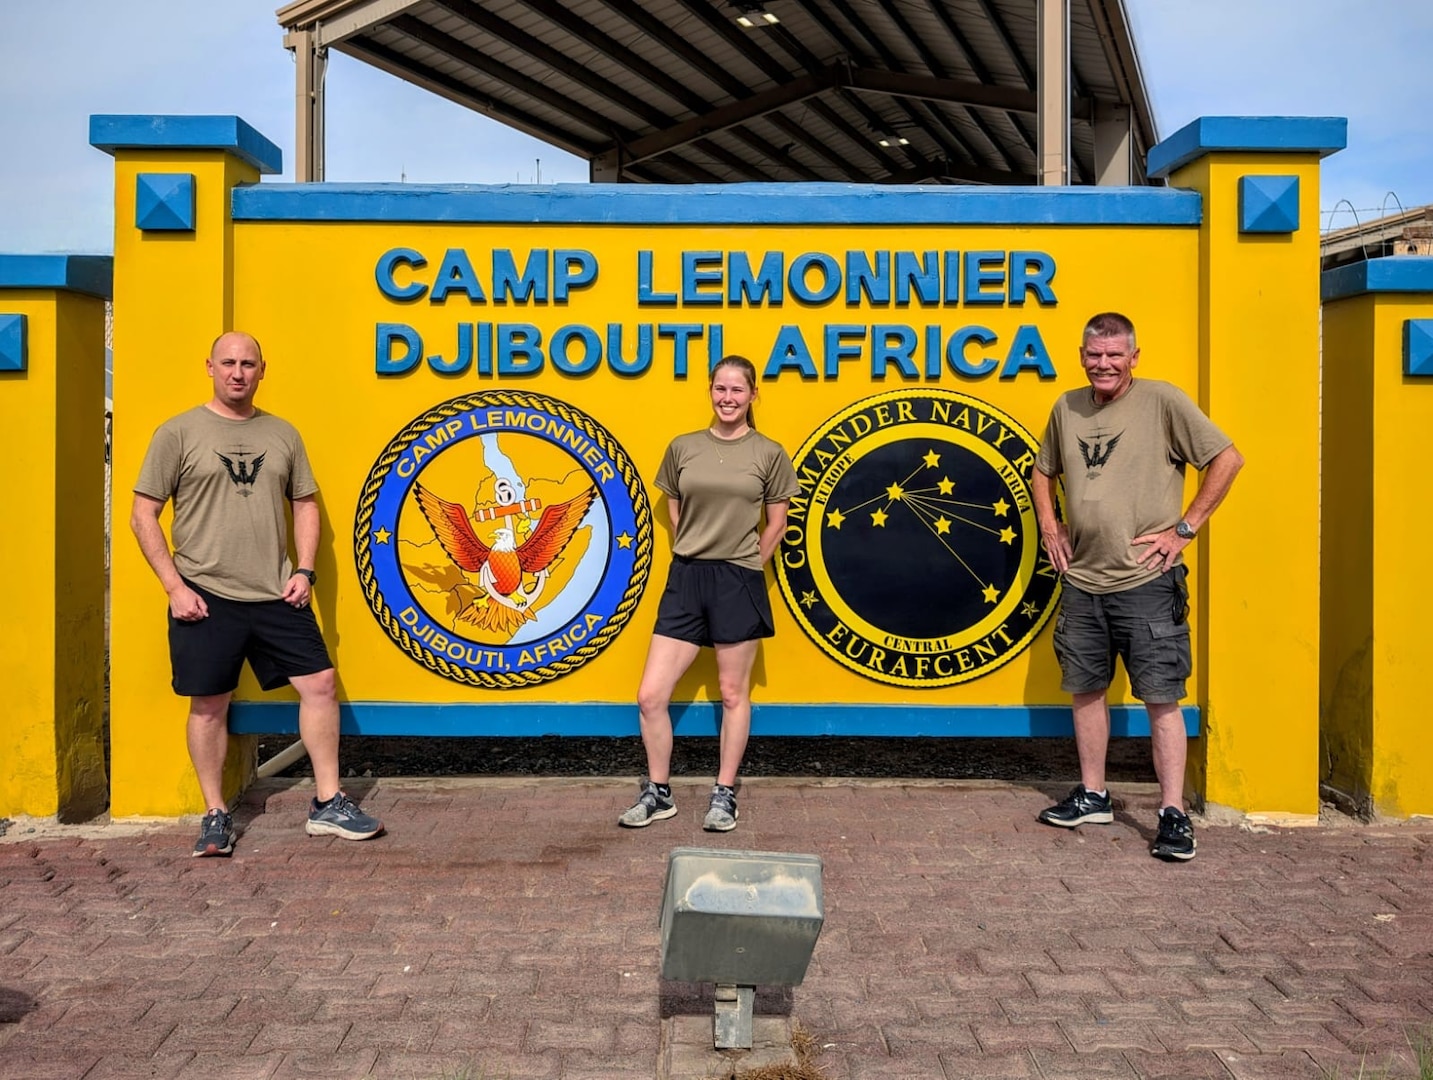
(1079, 807)
(216, 835)
(1175, 841)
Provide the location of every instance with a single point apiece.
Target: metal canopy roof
(677, 91)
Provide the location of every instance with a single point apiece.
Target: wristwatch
(1184, 531)
(313, 578)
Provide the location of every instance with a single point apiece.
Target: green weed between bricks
(1420, 1042)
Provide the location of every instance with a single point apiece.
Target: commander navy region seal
(503, 539)
(912, 555)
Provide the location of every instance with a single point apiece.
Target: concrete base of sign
(687, 1050)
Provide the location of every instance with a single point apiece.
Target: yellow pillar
(1378, 400)
(52, 412)
(1259, 381)
(173, 294)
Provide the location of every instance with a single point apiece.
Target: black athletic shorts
(713, 602)
(278, 639)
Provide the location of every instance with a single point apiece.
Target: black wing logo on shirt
(1095, 458)
(244, 473)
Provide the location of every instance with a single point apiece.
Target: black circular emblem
(912, 555)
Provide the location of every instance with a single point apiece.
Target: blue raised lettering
(459, 363)
(1031, 271)
(790, 352)
(456, 274)
(830, 277)
(842, 343)
(646, 294)
(984, 268)
(1028, 353)
(383, 274)
(519, 349)
(384, 337)
(862, 277)
(923, 273)
(893, 344)
(572, 269)
(508, 284)
(955, 351)
(680, 333)
(616, 358)
(701, 268)
(562, 337)
(766, 283)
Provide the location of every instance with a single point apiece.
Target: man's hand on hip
(1056, 540)
(1164, 548)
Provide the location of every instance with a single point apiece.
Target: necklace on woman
(718, 439)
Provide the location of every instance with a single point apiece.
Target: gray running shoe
(340, 816)
(1079, 807)
(723, 813)
(649, 807)
(216, 835)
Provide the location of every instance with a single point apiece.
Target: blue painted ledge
(693, 718)
(717, 204)
(1392, 273)
(230, 133)
(92, 275)
(1322, 135)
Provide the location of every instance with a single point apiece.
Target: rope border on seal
(363, 555)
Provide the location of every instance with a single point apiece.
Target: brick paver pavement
(508, 928)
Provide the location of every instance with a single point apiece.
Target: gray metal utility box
(746, 918)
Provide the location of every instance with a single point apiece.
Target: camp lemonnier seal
(912, 555)
(503, 539)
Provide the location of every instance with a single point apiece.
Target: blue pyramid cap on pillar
(13, 343)
(164, 202)
(1418, 347)
(1268, 204)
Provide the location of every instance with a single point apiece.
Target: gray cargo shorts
(1147, 627)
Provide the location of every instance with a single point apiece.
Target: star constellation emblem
(912, 555)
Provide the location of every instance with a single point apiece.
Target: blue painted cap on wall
(111, 133)
(1390, 274)
(1322, 135)
(92, 275)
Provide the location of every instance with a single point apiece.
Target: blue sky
(62, 60)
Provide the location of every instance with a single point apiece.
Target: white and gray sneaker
(723, 813)
(650, 806)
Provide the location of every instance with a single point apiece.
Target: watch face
(1183, 530)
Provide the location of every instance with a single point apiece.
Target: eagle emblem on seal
(511, 571)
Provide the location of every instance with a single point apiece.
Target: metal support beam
(310, 65)
(358, 18)
(1114, 146)
(1053, 84)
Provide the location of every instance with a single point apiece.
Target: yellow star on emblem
(624, 540)
(1000, 507)
(991, 594)
(894, 492)
(381, 536)
(942, 524)
(878, 518)
(1028, 609)
(808, 600)
(931, 459)
(834, 519)
(946, 485)
(1007, 536)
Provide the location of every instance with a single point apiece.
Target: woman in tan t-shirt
(718, 481)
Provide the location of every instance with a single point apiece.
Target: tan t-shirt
(229, 480)
(1123, 464)
(722, 487)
